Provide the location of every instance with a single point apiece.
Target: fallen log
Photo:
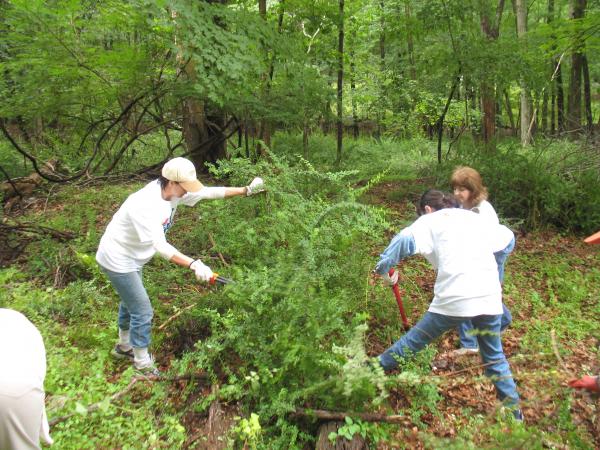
(341, 415)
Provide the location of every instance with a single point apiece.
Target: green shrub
(550, 184)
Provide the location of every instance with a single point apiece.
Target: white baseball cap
(182, 171)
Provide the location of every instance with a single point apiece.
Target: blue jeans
(135, 310)
(467, 340)
(433, 325)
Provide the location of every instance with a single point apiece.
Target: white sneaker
(464, 351)
(147, 367)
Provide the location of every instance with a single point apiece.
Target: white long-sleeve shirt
(137, 230)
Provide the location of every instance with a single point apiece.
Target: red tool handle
(216, 278)
(396, 290)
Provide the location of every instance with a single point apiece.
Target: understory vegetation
(295, 331)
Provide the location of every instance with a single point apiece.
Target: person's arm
(215, 193)
(170, 253)
(402, 246)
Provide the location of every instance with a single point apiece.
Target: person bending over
(137, 232)
(460, 245)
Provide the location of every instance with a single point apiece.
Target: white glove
(201, 270)
(257, 185)
(390, 281)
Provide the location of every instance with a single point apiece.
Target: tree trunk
(382, 67)
(552, 109)
(264, 133)
(509, 112)
(440, 122)
(587, 95)
(549, 19)
(340, 83)
(353, 94)
(341, 443)
(410, 43)
(574, 100)
(305, 130)
(560, 98)
(526, 110)
(204, 136)
(490, 29)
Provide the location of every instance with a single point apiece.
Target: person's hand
(390, 280)
(201, 270)
(257, 185)
(586, 382)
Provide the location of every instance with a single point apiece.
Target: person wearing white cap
(135, 233)
(23, 421)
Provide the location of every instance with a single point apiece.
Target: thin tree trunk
(440, 121)
(264, 133)
(340, 83)
(353, 94)
(526, 110)
(410, 41)
(544, 118)
(552, 109)
(587, 95)
(509, 112)
(490, 29)
(574, 100)
(552, 85)
(382, 66)
(560, 98)
(305, 139)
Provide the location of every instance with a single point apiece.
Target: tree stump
(323, 442)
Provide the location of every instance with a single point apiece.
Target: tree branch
(130, 386)
(341, 415)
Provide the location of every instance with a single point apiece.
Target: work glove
(586, 382)
(201, 270)
(390, 281)
(257, 185)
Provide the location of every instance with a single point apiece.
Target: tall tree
(526, 119)
(587, 95)
(490, 27)
(574, 100)
(340, 83)
(203, 133)
(265, 128)
(410, 40)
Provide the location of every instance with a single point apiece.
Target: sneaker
(518, 415)
(147, 369)
(118, 352)
(464, 351)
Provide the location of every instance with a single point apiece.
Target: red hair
(469, 178)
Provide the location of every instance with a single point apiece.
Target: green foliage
(303, 277)
(373, 432)
(551, 184)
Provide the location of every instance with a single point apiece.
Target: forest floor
(551, 287)
(541, 344)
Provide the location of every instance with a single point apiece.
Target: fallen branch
(176, 315)
(38, 229)
(466, 369)
(341, 415)
(128, 388)
(212, 242)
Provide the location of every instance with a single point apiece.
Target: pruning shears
(216, 278)
(396, 290)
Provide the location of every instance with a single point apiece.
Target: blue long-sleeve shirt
(402, 246)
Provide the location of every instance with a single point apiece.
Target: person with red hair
(472, 195)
